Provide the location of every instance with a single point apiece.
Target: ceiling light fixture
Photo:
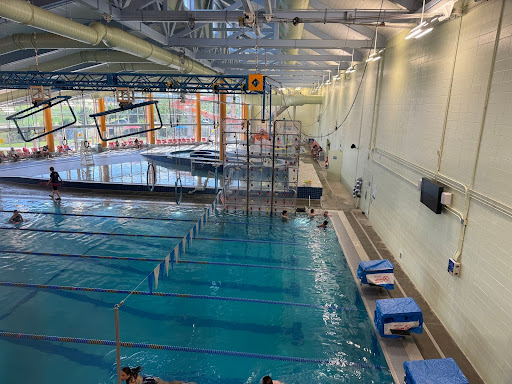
(423, 28)
(375, 55)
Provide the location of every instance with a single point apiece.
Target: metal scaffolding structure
(261, 166)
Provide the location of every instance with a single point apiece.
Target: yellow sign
(1, 141)
(255, 82)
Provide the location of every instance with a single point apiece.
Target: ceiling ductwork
(40, 41)
(291, 31)
(25, 13)
(85, 57)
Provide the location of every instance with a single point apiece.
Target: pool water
(272, 329)
(135, 172)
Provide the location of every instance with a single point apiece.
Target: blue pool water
(135, 172)
(343, 336)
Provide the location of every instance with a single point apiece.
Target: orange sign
(255, 82)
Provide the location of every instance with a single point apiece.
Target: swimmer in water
(268, 380)
(326, 214)
(323, 225)
(284, 215)
(312, 213)
(16, 217)
(131, 376)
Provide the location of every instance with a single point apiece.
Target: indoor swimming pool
(135, 172)
(298, 297)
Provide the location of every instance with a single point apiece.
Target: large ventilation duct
(40, 41)
(25, 13)
(290, 31)
(105, 57)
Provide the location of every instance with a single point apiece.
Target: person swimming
(268, 380)
(312, 213)
(131, 376)
(326, 214)
(16, 217)
(284, 215)
(323, 225)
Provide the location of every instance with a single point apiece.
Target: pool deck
(360, 242)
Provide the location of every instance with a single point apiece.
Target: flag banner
(176, 254)
(156, 273)
(167, 258)
(150, 282)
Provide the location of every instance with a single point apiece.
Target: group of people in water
(312, 214)
(132, 376)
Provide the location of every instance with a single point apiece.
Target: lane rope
(151, 218)
(127, 344)
(334, 307)
(159, 260)
(152, 236)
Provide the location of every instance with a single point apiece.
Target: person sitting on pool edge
(323, 225)
(268, 380)
(131, 375)
(16, 217)
(312, 213)
(284, 215)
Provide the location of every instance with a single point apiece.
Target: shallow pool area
(135, 172)
(250, 285)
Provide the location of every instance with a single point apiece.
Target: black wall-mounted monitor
(431, 195)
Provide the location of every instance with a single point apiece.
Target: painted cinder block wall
(411, 119)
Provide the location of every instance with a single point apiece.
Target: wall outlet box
(446, 198)
(453, 267)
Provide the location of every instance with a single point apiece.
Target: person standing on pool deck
(55, 181)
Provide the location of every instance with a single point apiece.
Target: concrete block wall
(405, 107)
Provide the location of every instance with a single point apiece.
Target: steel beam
(336, 16)
(362, 29)
(150, 82)
(282, 44)
(283, 66)
(253, 57)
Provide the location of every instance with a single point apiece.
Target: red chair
(20, 152)
(2, 156)
(203, 139)
(111, 145)
(189, 141)
(60, 149)
(66, 148)
(26, 152)
(158, 141)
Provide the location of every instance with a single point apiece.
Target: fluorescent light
(282, 89)
(337, 77)
(376, 58)
(413, 34)
(419, 26)
(424, 33)
(297, 89)
(328, 82)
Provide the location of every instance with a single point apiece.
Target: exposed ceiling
(294, 41)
